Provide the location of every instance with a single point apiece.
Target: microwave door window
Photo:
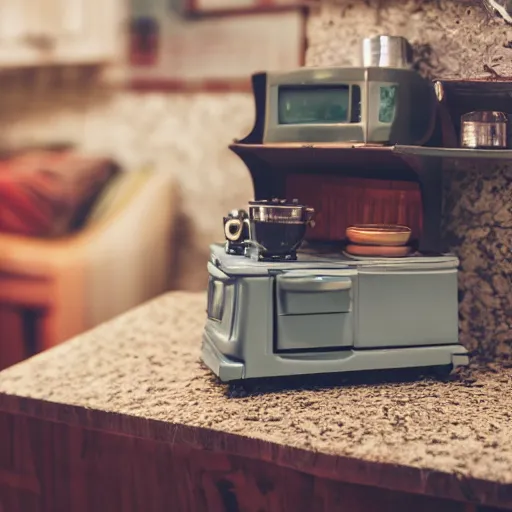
(319, 105)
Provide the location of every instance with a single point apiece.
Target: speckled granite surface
(479, 224)
(145, 364)
(188, 135)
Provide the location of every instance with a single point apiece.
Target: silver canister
(484, 130)
(387, 52)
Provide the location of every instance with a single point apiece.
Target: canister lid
(484, 116)
(384, 51)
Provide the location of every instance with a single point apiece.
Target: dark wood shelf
(301, 155)
(269, 164)
(320, 156)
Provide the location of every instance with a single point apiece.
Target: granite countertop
(140, 374)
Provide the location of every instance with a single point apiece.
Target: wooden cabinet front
(340, 202)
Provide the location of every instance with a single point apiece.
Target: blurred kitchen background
(114, 166)
(116, 117)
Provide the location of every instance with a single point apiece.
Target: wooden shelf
(269, 165)
(299, 155)
(320, 157)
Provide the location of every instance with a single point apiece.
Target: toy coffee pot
(272, 230)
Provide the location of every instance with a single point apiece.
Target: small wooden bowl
(384, 251)
(379, 234)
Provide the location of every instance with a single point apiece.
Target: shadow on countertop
(464, 376)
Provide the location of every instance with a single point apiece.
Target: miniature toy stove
(278, 307)
(330, 313)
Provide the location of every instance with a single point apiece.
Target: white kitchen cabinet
(59, 32)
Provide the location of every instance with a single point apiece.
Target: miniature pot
(484, 130)
(278, 227)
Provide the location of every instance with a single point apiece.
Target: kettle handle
(229, 233)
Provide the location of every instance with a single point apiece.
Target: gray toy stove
(329, 313)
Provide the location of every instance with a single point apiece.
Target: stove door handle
(315, 284)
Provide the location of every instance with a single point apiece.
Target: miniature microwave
(382, 102)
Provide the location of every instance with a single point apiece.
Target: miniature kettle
(236, 231)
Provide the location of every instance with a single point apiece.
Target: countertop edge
(346, 469)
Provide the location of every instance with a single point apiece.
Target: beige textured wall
(188, 136)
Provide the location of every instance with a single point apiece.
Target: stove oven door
(400, 307)
(314, 310)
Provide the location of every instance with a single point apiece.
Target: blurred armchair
(120, 258)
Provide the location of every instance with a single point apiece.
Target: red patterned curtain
(48, 193)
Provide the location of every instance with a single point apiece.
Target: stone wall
(187, 135)
(451, 39)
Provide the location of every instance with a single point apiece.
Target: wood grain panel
(340, 202)
(80, 470)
